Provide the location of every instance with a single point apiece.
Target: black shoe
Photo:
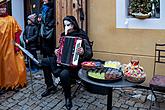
(49, 90)
(68, 103)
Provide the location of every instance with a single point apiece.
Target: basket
(135, 80)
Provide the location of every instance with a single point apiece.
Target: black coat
(30, 34)
(47, 31)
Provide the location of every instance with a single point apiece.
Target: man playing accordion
(66, 72)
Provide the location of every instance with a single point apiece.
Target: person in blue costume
(47, 28)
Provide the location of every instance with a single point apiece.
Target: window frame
(124, 21)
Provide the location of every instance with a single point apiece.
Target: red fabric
(17, 40)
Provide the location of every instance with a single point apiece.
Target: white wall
(18, 11)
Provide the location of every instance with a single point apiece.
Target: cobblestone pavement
(30, 99)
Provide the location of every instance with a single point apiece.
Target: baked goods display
(91, 64)
(112, 64)
(133, 72)
(88, 64)
(105, 74)
(114, 71)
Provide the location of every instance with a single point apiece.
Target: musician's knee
(64, 75)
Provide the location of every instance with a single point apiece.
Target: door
(75, 8)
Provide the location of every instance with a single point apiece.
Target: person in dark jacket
(47, 28)
(30, 38)
(66, 73)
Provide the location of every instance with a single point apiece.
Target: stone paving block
(132, 108)
(123, 109)
(85, 106)
(116, 95)
(130, 103)
(147, 105)
(37, 108)
(30, 102)
(48, 100)
(143, 99)
(101, 96)
(10, 105)
(142, 109)
(10, 100)
(24, 107)
(3, 108)
(85, 96)
(34, 105)
(53, 103)
(82, 100)
(82, 108)
(105, 108)
(124, 106)
(139, 105)
(47, 108)
(91, 99)
(98, 108)
(122, 101)
(115, 108)
(104, 102)
(75, 108)
(78, 103)
(98, 104)
(117, 104)
(44, 103)
(91, 107)
(16, 107)
(59, 105)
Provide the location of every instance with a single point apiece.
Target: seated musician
(66, 73)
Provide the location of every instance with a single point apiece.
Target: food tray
(104, 81)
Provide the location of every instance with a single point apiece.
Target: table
(104, 88)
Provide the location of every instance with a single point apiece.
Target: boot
(49, 90)
(68, 103)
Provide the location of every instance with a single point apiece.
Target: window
(125, 18)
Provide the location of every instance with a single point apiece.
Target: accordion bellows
(67, 54)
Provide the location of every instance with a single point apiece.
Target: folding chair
(157, 83)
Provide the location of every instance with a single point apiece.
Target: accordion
(67, 54)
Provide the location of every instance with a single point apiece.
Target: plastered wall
(111, 43)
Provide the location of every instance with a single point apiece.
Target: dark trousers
(34, 53)
(66, 74)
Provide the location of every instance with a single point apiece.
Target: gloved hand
(80, 51)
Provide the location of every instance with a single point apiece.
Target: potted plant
(142, 8)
